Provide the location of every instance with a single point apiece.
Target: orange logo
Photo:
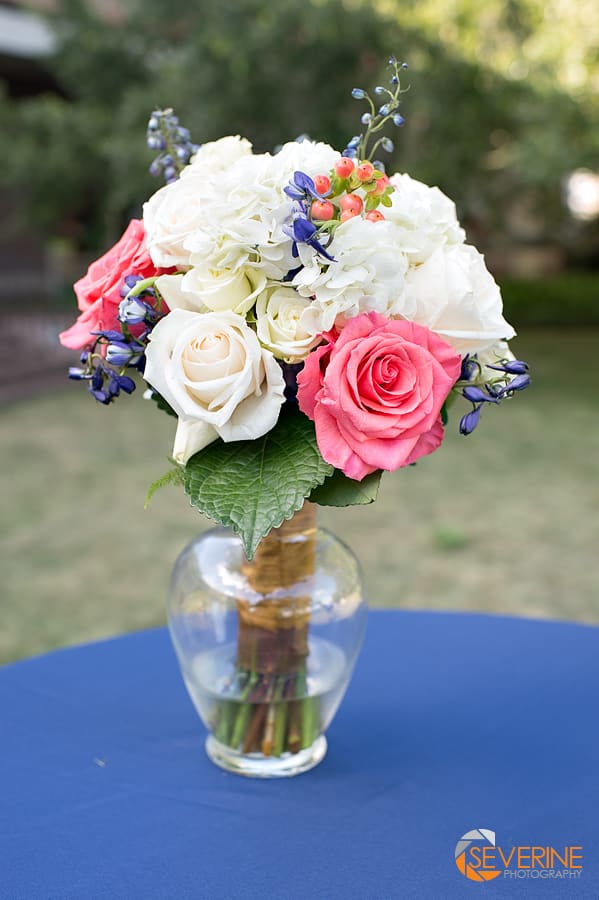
(470, 855)
(478, 858)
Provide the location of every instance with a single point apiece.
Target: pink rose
(375, 393)
(99, 291)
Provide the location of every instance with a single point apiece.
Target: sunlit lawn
(505, 520)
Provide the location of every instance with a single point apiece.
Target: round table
(452, 722)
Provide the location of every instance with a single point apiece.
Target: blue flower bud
(385, 109)
(469, 422)
(122, 354)
(358, 94)
(379, 89)
(354, 141)
(379, 165)
(387, 145)
(350, 152)
(476, 395)
(170, 173)
(404, 65)
(77, 374)
(398, 120)
(156, 142)
(394, 79)
(125, 383)
(132, 311)
(392, 61)
(366, 119)
(153, 124)
(512, 366)
(517, 384)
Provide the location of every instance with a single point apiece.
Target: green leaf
(386, 200)
(162, 404)
(173, 476)
(252, 486)
(339, 490)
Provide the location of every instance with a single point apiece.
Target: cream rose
(221, 289)
(279, 326)
(211, 369)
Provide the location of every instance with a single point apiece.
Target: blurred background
(502, 114)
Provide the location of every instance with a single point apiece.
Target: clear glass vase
(267, 647)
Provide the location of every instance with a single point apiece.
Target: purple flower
(469, 422)
(477, 395)
(301, 186)
(511, 366)
(123, 353)
(303, 231)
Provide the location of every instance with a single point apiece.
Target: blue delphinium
(376, 119)
(104, 365)
(489, 390)
(303, 231)
(172, 142)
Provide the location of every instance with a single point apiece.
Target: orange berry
(351, 202)
(323, 210)
(381, 186)
(375, 216)
(365, 171)
(344, 167)
(348, 214)
(322, 183)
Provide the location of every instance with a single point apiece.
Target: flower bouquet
(308, 320)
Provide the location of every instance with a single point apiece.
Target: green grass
(505, 520)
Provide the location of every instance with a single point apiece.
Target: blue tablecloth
(453, 722)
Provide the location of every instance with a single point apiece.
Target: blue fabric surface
(452, 722)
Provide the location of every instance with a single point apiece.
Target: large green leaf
(252, 486)
(339, 490)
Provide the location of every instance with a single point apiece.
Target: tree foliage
(484, 118)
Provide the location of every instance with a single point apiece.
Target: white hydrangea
(216, 156)
(368, 274)
(426, 216)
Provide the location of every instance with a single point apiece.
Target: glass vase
(267, 646)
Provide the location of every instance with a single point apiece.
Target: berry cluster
(351, 190)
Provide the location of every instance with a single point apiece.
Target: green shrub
(568, 299)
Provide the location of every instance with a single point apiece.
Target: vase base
(255, 765)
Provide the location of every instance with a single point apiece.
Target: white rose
(368, 274)
(211, 369)
(171, 289)
(279, 326)
(216, 156)
(454, 295)
(425, 216)
(172, 214)
(220, 289)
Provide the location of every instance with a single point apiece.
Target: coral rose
(99, 291)
(375, 393)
